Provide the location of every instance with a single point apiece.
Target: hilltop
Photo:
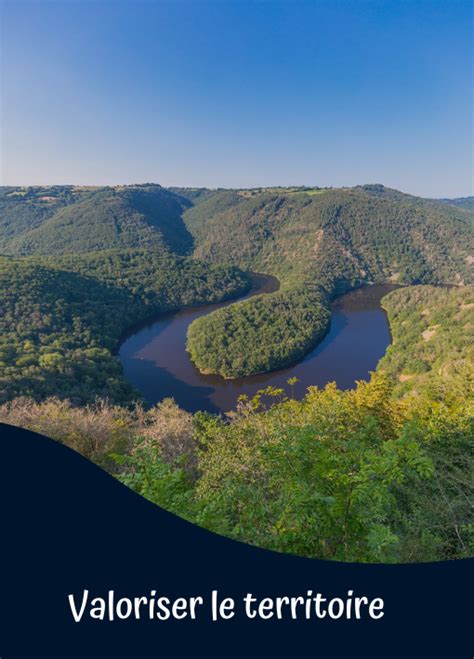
(68, 220)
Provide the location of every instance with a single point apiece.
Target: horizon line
(205, 187)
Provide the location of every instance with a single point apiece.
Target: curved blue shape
(69, 526)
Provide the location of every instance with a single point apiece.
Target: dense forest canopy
(432, 339)
(103, 218)
(259, 334)
(62, 317)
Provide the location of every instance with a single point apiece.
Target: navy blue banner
(77, 546)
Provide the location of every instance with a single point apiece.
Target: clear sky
(239, 93)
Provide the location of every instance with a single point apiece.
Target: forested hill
(368, 233)
(371, 232)
(62, 317)
(65, 220)
(432, 340)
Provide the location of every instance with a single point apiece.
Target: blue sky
(238, 93)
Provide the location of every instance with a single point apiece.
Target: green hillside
(105, 218)
(432, 340)
(25, 209)
(376, 232)
(62, 317)
(319, 245)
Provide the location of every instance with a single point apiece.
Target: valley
(323, 409)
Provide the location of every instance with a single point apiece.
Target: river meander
(155, 360)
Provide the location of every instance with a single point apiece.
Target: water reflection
(156, 362)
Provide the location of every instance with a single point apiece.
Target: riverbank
(156, 362)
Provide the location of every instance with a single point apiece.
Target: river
(155, 360)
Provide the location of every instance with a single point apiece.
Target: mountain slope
(134, 216)
(62, 317)
(319, 245)
(375, 233)
(24, 209)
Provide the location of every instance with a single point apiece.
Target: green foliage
(149, 475)
(62, 317)
(353, 476)
(432, 339)
(436, 516)
(122, 217)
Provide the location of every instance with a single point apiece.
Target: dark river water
(155, 360)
